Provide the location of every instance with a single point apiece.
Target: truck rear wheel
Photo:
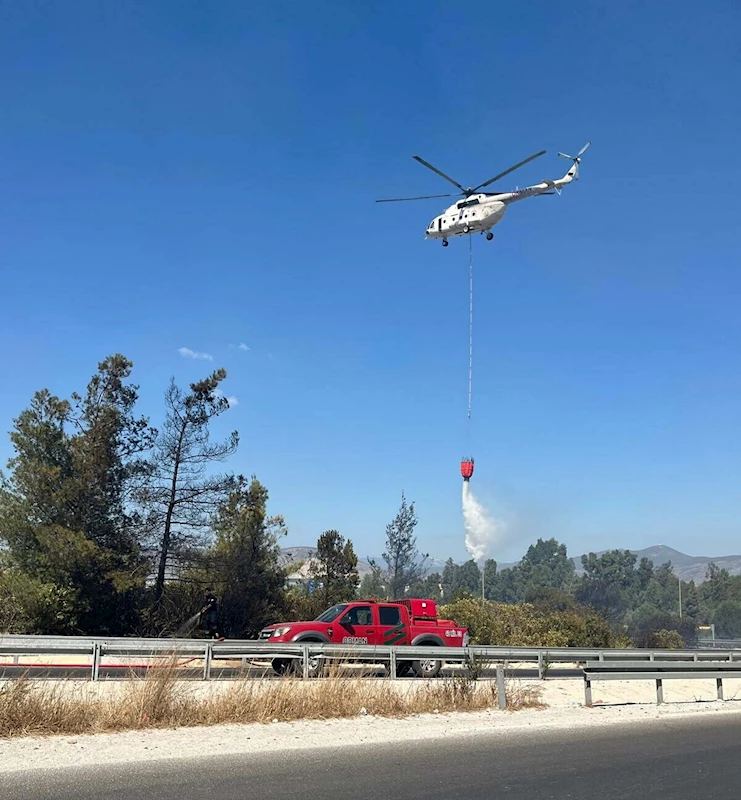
(427, 667)
(295, 666)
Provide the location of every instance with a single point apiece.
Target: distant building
(300, 573)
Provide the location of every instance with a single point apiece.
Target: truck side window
(390, 615)
(360, 615)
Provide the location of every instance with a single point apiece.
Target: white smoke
(482, 531)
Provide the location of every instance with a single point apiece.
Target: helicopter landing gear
(489, 236)
(466, 229)
(445, 242)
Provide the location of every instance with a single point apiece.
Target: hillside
(293, 555)
(688, 567)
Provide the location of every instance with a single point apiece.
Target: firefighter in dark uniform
(210, 615)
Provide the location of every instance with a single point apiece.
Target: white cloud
(243, 346)
(186, 352)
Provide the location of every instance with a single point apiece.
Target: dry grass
(160, 700)
(521, 696)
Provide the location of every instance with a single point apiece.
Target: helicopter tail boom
(573, 173)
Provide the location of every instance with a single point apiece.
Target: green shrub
(28, 605)
(667, 640)
(527, 626)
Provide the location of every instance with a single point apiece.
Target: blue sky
(198, 175)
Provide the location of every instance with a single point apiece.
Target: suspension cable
(470, 323)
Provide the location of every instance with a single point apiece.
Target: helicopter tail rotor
(577, 158)
(574, 171)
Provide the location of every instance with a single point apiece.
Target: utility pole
(680, 596)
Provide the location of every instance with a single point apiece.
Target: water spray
(186, 627)
(482, 530)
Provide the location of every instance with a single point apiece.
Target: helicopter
(479, 211)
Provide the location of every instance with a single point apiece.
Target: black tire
(317, 665)
(403, 668)
(445, 242)
(281, 666)
(489, 237)
(427, 667)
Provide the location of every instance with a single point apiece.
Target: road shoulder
(60, 752)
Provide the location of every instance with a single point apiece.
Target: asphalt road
(665, 760)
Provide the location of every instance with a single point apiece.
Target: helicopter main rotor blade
(583, 149)
(507, 171)
(403, 199)
(441, 174)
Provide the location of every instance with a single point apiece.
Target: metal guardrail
(719, 644)
(97, 648)
(659, 671)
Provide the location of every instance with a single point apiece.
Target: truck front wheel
(281, 665)
(427, 667)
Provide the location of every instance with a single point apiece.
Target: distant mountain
(689, 568)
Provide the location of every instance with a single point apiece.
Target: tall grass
(161, 700)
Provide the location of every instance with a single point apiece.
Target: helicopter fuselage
(477, 213)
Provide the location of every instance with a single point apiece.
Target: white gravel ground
(565, 711)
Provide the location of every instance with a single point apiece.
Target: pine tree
(181, 494)
(65, 510)
(373, 583)
(108, 450)
(243, 562)
(547, 564)
(335, 568)
(404, 563)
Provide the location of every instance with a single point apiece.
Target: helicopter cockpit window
(467, 203)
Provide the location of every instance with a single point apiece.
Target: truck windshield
(331, 614)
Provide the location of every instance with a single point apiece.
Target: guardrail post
(305, 648)
(651, 656)
(659, 691)
(719, 685)
(16, 659)
(501, 688)
(587, 692)
(392, 662)
(541, 665)
(95, 670)
(696, 656)
(207, 661)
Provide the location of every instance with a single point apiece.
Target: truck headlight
(279, 632)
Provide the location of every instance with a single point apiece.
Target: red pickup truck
(397, 622)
